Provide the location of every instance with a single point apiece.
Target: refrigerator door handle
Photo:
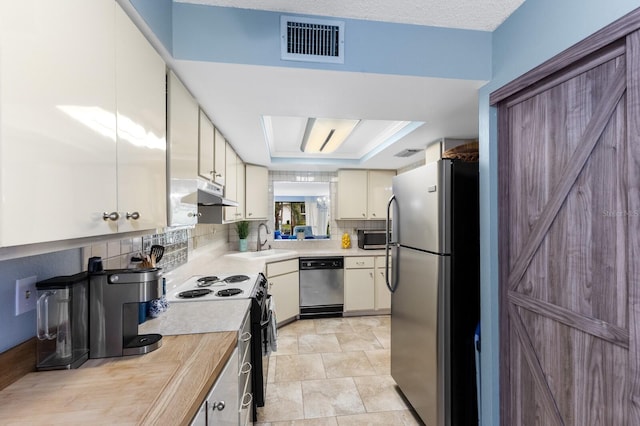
(388, 244)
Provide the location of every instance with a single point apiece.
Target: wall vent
(408, 152)
(311, 40)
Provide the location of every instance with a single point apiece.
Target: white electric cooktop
(214, 287)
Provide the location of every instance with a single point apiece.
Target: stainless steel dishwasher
(321, 286)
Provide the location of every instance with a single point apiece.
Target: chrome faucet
(260, 245)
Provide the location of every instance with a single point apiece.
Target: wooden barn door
(569, 159)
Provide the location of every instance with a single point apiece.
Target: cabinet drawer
(358, 262)
(284, 267)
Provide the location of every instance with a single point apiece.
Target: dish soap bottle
(346, 241)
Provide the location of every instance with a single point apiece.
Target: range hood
(210, 194)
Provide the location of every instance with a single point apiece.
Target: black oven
(261, 318)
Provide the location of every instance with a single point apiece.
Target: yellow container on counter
(346, 241)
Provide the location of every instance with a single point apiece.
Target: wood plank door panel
(569, 174)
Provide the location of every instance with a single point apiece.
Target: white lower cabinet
(359, 290)
(382, 293)
(230, 400)
(284, 286)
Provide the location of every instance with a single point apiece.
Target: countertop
(165, 386)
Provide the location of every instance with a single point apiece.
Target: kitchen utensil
(158, 251)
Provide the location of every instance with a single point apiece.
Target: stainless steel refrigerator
(434, 279)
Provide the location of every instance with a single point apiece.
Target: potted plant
(242, 228)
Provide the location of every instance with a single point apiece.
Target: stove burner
(236, 278)
(228, 292)
(207, 281)
(191, 294)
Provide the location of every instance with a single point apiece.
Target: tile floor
(333, 371)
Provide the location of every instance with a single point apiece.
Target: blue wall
(17, 329)
(158, 14)
(537, 31)
(232, 35)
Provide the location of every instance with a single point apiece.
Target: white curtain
(317, 214)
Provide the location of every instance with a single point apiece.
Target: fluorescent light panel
(325, 135)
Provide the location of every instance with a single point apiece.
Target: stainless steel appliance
(321, 286)
(238, 286)
(114, 298)
(62, 322)
(435, 301)
(372, 239)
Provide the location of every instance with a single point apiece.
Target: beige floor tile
(362, 341)
(287, 345)
(323, 421)
(299, 367)
(331, 397)
(318, 343)
(306, 326)
(396, 418)
(379, 393)
(333, 325)
(380, 359)
(347, 364)
(283, 402)
(369, 323)
(271, 374)
(384, 337)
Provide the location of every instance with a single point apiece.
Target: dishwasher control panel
(321, 263)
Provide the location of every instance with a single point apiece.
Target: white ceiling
(237, 96)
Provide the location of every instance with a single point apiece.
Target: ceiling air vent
(408, 152)
(311, 40)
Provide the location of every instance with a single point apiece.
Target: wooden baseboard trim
(17, 361)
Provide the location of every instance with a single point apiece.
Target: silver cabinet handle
(248, 368)
(248, 400)
(134, 215)
(246, 336)
(218, 406)
(113, 216)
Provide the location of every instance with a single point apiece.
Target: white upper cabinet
(363, 194)
(379, 192)
(141, 129)
(205, 145)
(183, 153)
(219, 157)
(257, 192)
(57, 120)
(231, 183)
(352, 194)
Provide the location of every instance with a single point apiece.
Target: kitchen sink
(262, 255)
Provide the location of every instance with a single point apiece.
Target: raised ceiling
(420, 109)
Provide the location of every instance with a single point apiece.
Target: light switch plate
(26, 294)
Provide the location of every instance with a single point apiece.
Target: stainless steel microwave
(371, 239)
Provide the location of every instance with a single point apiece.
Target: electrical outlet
(26, 295)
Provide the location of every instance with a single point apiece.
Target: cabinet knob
(373, 214)
(134, 215)
(113, 216)
(192, 214)
(250, 214)
(364, 215)
(218, 406)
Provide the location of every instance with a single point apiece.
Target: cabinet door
(57, 120)
(231, 167)
(379, 192)
(183, 153)
(141, 129)
(383, 295)
(257, 192)
(223, 402)
(359, 292)
(205, 147)
(352, 194)
(240, 189)
(219, 157)
(286, 292)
